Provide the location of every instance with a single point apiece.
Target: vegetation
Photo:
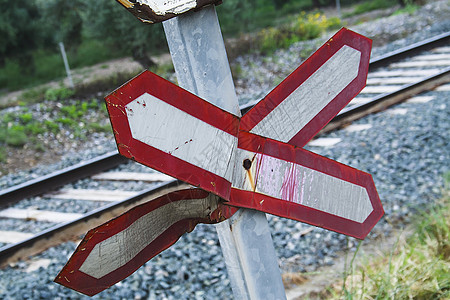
(304, 27)
(407, 6)
(19, 31)
(416, 269)
(409, 9)
(368, 6)
(95, 32)
(100, 31)
(23, 128)
(58, 93)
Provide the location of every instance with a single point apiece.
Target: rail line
(393, 78)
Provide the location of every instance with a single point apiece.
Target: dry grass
(417, 267)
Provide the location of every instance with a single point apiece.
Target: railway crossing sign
(256, 161)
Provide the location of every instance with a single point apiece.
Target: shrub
(51, 126)
(2, 154)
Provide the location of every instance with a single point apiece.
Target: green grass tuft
(408, 9)
(370, 6)
(58, 93)
(417, 268)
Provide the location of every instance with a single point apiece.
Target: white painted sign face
(296, 183)
(307, 100)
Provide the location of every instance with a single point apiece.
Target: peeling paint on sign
(162, 7)
(154, 11)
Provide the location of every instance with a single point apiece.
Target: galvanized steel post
(201, 65)
(66, 64)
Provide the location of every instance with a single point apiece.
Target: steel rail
(381, 102)
(71, 230)
(408, 51)
(60, 232)
(59, 178)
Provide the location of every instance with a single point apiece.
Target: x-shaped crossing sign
(256, 161)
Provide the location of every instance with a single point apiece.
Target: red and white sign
(114, 250)
(173, 131)
(255, 161)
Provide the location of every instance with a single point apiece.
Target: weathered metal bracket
(155, 11)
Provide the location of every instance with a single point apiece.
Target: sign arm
(295, 183)
(300, 106)
(114, 250)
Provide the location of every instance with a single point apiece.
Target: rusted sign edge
(156, 11)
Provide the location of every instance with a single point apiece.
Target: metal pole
(200, 61)
(66, 64)
(338, 7)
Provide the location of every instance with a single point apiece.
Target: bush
(26, 118)
(2, 155)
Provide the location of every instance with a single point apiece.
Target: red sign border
(148, 82)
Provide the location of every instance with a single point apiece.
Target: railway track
(26, 229)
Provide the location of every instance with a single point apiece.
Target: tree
(111, 23)
(62, 21)
(236, 15)
(322, 3)
(19, 32)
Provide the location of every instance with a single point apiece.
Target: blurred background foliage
(96, 31)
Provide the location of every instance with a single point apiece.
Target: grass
(368, 6)
(60, 93)
(21, 128)
(416, 268)
(408, 9)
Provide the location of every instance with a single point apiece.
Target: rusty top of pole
(155, 11)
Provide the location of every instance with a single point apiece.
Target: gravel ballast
(407, 155)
